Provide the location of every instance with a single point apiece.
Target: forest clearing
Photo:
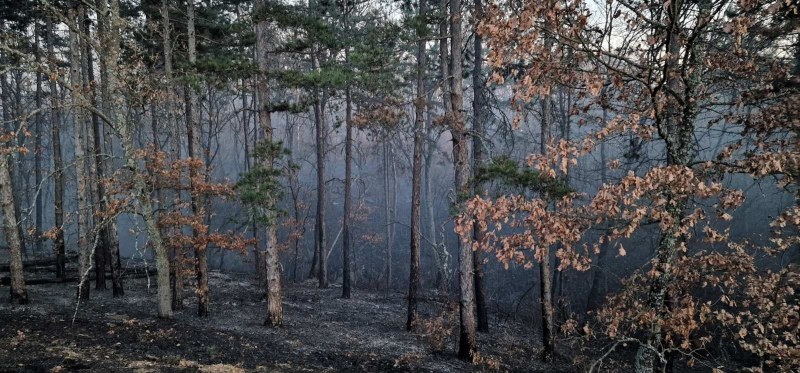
(400, 185)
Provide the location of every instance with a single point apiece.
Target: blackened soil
(322, 333)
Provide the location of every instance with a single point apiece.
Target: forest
(400, 185)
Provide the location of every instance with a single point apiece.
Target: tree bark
(19, 293)
(55, 128)
(273, 272)
(198, 201)
(348, 171)
(348, 198)
(467, 348)
(107, 147)
(416, 174)
(37, 140)
(110, 56)
(545, 272)
(93, 160)
(598, 288)
(78, 103)
(479, 132)
(319, 120)
(387, 211)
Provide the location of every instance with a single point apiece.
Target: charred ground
(322, 332)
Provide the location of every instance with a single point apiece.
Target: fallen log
(6, 281)
(4, 267)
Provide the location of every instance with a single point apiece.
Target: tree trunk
(677, 123)
(348, 198)
(55, 128)
(273, 272)
(442, 256)
(545, 272)
(13, 116)
(479, 132)
(94, 161)
(198, 201)
(78, 103)
(37, 140)
(104, 163)
(467, 349)
(111, 55)
(319, 119)
(387, 212)
(177, 254)
(597, 289)
(416, 174)
(19, 293)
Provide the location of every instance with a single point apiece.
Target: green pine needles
(260, 188)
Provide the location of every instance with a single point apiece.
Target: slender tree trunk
(479, 132)
(177, 255)
(348, 198)
(319, 119)
(271, 255)
(348, 172)
(93, 159)
(442, 256)
(198, 201)
(467, 349)
(416, 174)
(545, 272)
(598, 289)
(37, 140)
(55, 128)
(79, 127)
(387, 212)
(106, 147)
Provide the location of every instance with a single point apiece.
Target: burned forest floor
(321, 333)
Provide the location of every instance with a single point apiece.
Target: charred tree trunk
(110, 237)
(387, 212)
(58, 176)
(37, 140)
(177, 254)
(597, 289)
(545, 272)
(319, 120)
(348, 198)
(419, 142)
(198, 201)
(348, 172)
(479, 132)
